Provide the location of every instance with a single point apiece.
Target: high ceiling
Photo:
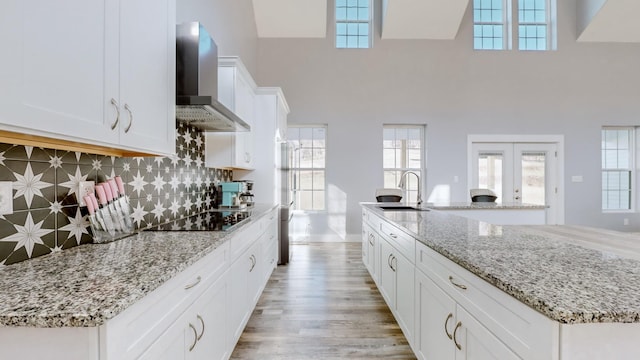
(598, 20)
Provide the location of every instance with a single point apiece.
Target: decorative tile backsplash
(46, 215)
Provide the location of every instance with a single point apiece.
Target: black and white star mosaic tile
(46, 215)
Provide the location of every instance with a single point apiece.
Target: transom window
(530, 20)
(489, 23)
(309, 166)
(533, 18)
(403, 150)
(353, 24)
(617, 168)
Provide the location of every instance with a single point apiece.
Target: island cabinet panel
(600, 341)
(26, 343)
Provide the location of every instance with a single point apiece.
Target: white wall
(455, 91)
(230, 23)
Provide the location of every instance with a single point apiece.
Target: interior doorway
(522, 170)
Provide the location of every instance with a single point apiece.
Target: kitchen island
(115, 300)
(579, 301)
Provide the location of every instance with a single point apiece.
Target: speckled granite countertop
(482, 206)
(89, 284)
(564, 280)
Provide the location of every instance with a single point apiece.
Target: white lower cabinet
(200, 333)
(397, 286)
(445, 330)
(370, 251)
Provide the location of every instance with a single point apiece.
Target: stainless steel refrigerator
(286, 176)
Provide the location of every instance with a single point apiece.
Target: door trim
(521, 138)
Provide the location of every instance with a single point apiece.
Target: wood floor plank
(322, 305)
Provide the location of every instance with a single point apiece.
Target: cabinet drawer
(527, 332)
(141, 324)
(400, 240)
(244, 237)
(369, 218)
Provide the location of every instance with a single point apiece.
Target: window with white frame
(489, 24)
(309, 166)
(618, 168)
(533, 24)
(403, 149)
(496, 20)
(353, 24)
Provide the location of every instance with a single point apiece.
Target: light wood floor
(323, 305)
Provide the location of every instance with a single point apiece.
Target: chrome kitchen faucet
(419, 195)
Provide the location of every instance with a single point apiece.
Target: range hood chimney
(197, 82)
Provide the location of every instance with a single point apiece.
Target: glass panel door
(492, 169)
(532, 175)
(519, 173)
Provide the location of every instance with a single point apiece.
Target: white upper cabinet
(237, 91)
(147, 75)
(74, 65)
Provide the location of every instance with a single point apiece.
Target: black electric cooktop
(215, 220)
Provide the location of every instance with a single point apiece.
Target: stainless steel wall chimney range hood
(197, 82)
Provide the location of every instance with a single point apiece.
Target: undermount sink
(401, 208)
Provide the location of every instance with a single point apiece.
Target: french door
(519, 173)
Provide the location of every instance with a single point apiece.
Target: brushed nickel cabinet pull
(396, 262)
(463, 287)
(202, 321)
(455, 331)
(389, 260)
(446, 322)
(393, 235)
(195, 339)
(198, 279)
(128, 108)
(253, 262)
(115, 104)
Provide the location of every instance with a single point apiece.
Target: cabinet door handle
(253, 262)
(115, 104)
(198, 279)
(446, 322)
(128, 108)
(202, 321)
(389, 260)
(463, 287)
(455, 331)
(393, 235)
(195, 338)
(396, 264)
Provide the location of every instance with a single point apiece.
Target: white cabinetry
(445, 311)
(200, 333)
(446, 331)
(269, 130)
(236, 90)
(481, 321)
(90, 74)
(197, 314)
(397, 285)
(249, 273)
(370, 251)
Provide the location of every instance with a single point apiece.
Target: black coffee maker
(246, 197)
